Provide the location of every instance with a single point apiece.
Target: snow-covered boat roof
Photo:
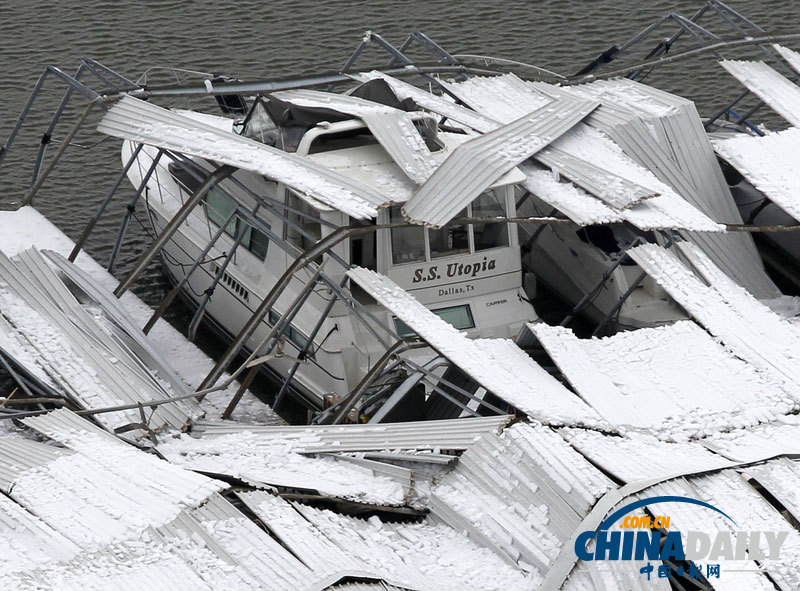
(772, 87)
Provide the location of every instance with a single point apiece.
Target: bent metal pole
(215, 177)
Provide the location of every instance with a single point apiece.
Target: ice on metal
(773, 88)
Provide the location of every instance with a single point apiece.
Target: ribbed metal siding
(142, 122)
(476, 164)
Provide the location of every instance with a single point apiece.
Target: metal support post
(215, 177)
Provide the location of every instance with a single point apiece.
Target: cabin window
(303, 228)
(297, 338)
(408, 244)
(219, 205)
(451, 239)
(490, 205)
(459, 317)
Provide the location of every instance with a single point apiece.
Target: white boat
(468, 273)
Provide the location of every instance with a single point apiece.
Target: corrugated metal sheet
(522, 493)
(269, 461)
(664, 133)
(120, 316)
(770, 163)
(101, 494)
(675, 380)
(639, 456)
(454, 435)
(436, 104)
(66, 427)
(73, 347)
(789, 55)
(503, 98)
(142, 122)
(27, 541)
(18, 456)
(473, 166)
(776, 90)
(745, 326)
(394, 129)
(497, 365)
(572, 201)
(757, 443)
(327, 560)
(750, 511)
(613, 190)
(774, 476)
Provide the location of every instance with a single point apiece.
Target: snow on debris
(776, 90)
(107, 493)
(769, 163)
(758, 443)
(745, 326)
(26, 227)
(138, 121)
(411, 555)
(639, 456)
(503, 98)
(522, 493)
(264, 461)
(538, 393)
(675, 381)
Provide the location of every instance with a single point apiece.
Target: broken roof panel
(474, 165)
(758, 443)
(769, 162)
(503, 98)
(139, 121)
(522, 493)
(664, 133)
(269, 461)
(394, 129)
(744, 325)
(436, 104)
(641, 456)
(675, 380)
(452, 435)
(515, 378)
(789, 55)
(773, 88)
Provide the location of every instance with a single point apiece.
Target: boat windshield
(414, 243)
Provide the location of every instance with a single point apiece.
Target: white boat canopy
(139, 121)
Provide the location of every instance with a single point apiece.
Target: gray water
(275, 39)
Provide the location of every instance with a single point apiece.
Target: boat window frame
(510, 211)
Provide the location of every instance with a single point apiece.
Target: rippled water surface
(280, 38)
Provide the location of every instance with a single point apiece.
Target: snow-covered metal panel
(503, 98)
(494, 366)
(475, 165)
(63, 339)
(770, 163)
(613, 190)
(663, 133)
(394, 129)
(770, 86)
(744, 325)
(757, 443)
(18, 456)
(674, 380)
(640, 456)
(436, 104)
(451, 435)
(789, 55)
(65, 427)
(268, 461)
(522, 493)
(139, 121)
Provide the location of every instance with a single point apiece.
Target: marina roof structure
(767, 162)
